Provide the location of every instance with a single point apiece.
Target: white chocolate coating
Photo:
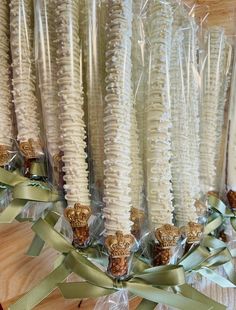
(47, 69)
(24, 80)
(71, 103)
(184, 111)
(159, 188)
(212, 109)
(6, 132)
(117, 118)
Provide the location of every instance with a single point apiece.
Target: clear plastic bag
(45, 57)
(24, 80)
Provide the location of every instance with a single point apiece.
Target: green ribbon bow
(164, 284)
(221, 211)
(23, 190)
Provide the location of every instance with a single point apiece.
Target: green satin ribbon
(23, 190)
(221, 211)
(148, 283)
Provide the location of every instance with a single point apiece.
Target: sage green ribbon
(148, 283)
(221, 212)
(23, 190)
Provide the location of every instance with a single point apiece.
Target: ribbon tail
(161, 296)
(215, 277)
(42, 290)
(229, 269)
(36, 246)
(233, 223)
(12, 210)
(80, 290)
(191, 292)
(146, 305)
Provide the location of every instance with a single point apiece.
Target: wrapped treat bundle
(133, 115)
(185, 97)
(6, 124)
(24, 79)
(117, 137)
(159, 187)
(47, 69)
(72, 122)
(212, 108)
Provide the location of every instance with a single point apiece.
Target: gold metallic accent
(30, 149)
(192, 231)
(137, 216)
(78, 217)
(201, 208)
(4, 155)
(119, 247)
(167, 235)
(213, 193)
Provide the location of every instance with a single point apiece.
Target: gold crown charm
(120, 244)
(168, 235)
(78, 218)
(119, 247)
(200, 208)
(192, 231)
(4, 155)
(30, 149)
(137, 217)
(231, 195)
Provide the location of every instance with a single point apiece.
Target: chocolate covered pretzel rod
(24, 80)
(212, 108)
(117, 136)
(72, 122)
(159, 188)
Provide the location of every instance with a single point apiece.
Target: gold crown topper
(78, 216)
(30, 149)
(231, 195)
(4, 155)
(192, 231)
(168, 235)
(136, 215)
(119, 245)
(200, 207)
